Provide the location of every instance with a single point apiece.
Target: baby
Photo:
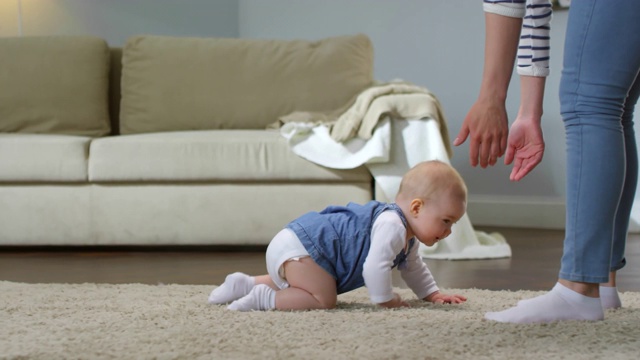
(322, 254)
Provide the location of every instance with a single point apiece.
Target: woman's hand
(487, 126)
(525, 148)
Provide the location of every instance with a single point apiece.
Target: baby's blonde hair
(429, 178)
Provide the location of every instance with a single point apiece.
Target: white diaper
(284, 247)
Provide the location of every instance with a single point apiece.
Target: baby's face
(435, 218)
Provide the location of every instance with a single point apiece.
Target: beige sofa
(164, 142)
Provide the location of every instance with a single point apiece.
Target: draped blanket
(389, 128)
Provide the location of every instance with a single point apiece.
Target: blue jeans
(598, 92)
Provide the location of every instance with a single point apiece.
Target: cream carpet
(133, 321)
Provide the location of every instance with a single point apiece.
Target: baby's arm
(387, 240)
(418, 277)
(395, 302)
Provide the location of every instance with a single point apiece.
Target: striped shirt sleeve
(533, 49)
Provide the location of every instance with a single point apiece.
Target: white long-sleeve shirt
(533, 49)
(388, 239)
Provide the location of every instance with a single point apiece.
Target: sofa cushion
(38, 157)
(55, 85)
(171, 84)
(198, 156)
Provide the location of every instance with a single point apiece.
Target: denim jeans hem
(583, 278)
(622, 264)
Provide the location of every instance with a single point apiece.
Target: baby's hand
(395, 302)
(440, 298)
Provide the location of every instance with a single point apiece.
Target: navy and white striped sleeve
(533, 49)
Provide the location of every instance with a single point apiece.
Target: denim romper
(338, 239)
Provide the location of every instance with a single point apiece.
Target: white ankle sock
(261, 297)
(235, 286)
(561, 303)
(609, 297)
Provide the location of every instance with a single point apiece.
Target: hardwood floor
(533, 266)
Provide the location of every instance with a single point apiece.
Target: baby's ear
(415, 206)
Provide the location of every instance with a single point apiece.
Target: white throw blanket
(394, 147)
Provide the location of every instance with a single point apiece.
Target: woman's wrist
(531, 97)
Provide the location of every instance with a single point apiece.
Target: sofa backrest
(76, 85)
(172, 84)
(54, 85)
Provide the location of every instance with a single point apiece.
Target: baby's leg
(310, 287)
(304, 284)
(266, 280)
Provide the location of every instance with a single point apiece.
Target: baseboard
(526, 212)
(517, 211)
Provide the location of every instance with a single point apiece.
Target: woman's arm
(486, 123)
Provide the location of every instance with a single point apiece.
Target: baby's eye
(446, 221)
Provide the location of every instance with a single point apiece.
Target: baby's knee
(327, 304)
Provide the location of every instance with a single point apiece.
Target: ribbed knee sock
(261, 297)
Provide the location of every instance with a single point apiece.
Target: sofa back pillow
(54, 85)
(171, 84)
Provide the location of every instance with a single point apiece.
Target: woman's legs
(602, 57)
(608, 290)
(631, 178)
(601, 63)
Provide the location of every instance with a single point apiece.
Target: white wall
(433, 43)
(116, 20)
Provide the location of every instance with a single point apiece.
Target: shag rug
(134, 321)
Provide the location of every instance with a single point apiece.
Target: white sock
(235, 286)
(609, 297)
(261, 297)
(561, 303)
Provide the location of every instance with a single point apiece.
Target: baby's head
(433, 196)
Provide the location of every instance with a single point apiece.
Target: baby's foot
(235, 286)
(261, 297)
(609, 297)
(561, 303)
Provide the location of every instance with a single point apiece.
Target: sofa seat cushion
(211, 156)
(43, 158)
